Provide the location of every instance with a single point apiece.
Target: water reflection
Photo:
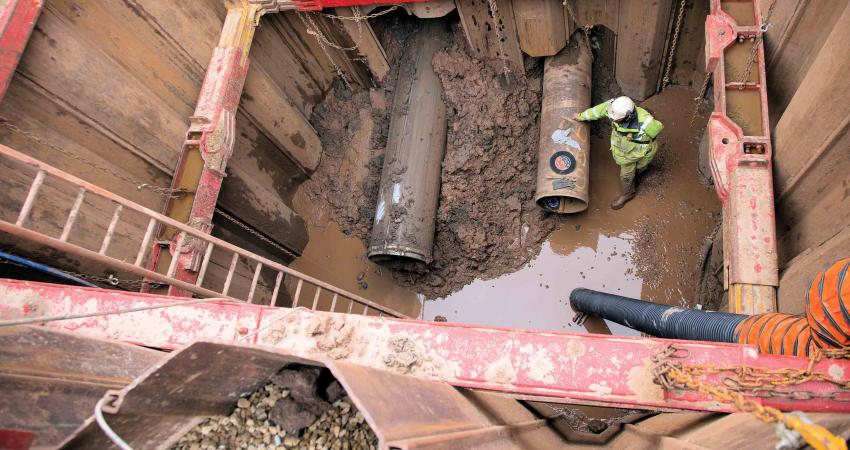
(537, 296)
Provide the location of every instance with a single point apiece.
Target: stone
(290, 416)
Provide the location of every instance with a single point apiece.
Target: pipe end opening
(405, 261)
(562, 205)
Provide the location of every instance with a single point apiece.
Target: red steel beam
(17, 19)
(551, 366)
(741, 155)
(208, 145)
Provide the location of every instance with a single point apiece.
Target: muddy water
(650, 249)
(536, 296)
(744, 108)
(736, 57)
(341, 261)
(741, 11)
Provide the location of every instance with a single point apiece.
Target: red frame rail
(17, 19)
(210, 138)
(556, 367)
(740, 158)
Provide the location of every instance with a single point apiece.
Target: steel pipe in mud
(405, 217)
(563, 165)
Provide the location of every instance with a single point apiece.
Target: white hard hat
(620, 108)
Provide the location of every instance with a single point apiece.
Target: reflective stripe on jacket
(641, 127)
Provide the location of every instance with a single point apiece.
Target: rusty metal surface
(741, 156)
(405, 412)
(405, 216)
(51, 380)
(271, 6)
(17, 19)
(563, 161)
(554, 367)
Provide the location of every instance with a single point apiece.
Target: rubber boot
(627, 192)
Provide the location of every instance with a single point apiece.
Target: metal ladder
(188, 239)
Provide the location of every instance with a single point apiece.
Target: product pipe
(563, 162)
(405, 217)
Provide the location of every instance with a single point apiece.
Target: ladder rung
(110, 232)
(255, 281)
(30, 200)
(230, 274)
(205, 264)
(297, 293)
(72, 216)
(277, 282)
(143, 249)
(316, 298)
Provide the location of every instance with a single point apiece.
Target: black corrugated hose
(658, 320)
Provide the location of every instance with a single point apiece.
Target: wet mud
(487, 222)
(498, 258)
(651, 249)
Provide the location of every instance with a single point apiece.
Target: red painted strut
(17, 19)
(556, 367)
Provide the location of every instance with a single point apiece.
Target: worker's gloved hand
(577, 117)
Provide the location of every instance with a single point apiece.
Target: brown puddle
(341, 261)
(650, 249)
(537, 296)
(735, 59)
(741, 11)
(744, 108)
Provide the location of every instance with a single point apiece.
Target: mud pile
(487, 222)
(353, 125)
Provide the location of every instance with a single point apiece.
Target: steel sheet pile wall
(807, 55)
(104, 91)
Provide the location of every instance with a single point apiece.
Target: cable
(107, 430)
(44, 319)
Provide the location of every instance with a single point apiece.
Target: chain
(359, 18)
(699, 100)
(676, 33)
(494, 12)
(163, 191)
(324, 43)
(254, 232)
(672, 375)
(585, 29)
(111, 280)
(313, 30)
(753, 51)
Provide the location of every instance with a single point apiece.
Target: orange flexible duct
(826, 324)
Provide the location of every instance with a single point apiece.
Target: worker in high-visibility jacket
(633, 134)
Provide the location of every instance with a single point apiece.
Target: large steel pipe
(563, 163)
(403, 231)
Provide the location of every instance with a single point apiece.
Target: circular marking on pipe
(562, 163)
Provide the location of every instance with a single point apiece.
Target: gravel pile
(299, 409)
